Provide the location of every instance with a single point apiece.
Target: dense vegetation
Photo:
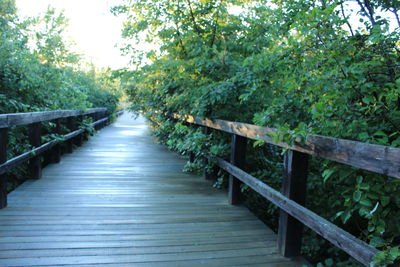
(298, 65)
(39, 72)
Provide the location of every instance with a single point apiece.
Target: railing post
(35, 163)
(294, 186)
(238, 158)
(207, 174)
(105, 114)
(3, 159)
(55, 153)
(71, 128)
(78, 138)
(96, 117)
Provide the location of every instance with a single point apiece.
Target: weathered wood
(71, 127)
(35, 152)
(207, 174)
(100, 123)
(294, 187)
(26, 156)
(55, 155)
(13, 119)
(116, 201)
(375, 158)
(238, 158)
(35, 163)
(191, 157)
(3, 158)
(353, 246)
(78, 140)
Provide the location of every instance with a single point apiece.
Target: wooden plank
(238, 158)
(356, 248)
(115, 201)
(13, 119)
(3, 158)
(294, 187)
(375, 158)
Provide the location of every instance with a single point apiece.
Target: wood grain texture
(375, 158)
(122, 200)
(353, 246)
(294, 187)
(13, 119)
(6, 166)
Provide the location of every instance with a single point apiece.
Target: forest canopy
(326, 67)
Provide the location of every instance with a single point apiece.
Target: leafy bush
(308, 66)
(39, 72)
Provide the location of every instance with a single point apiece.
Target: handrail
(356, 248)
(13, 119)
(376, 158)
(33, 120)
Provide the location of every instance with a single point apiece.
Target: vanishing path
(122, 200)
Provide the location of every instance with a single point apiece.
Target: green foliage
(301, 67)
(39, 72)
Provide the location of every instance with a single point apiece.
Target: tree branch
(195, 26)
(347, 21)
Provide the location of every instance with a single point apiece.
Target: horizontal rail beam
(5, 167)
(14, 119)
(356, 248)
(375, 158)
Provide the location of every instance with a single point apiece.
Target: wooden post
(105, 115)
(207, 174)
(71, 128)
(78, 138)
(191, 157)
(55, 155)
(35, 163)
(238, 158)
(3, 159)
(294, 186)
(96, 117)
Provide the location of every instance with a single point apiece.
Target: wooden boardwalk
(122, 200)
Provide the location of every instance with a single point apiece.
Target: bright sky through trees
(92, 27)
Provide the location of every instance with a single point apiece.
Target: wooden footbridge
(122, 200)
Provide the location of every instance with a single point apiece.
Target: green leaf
(366, 202)
(357, 195)
(385, 200)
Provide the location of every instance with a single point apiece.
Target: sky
(92, 27)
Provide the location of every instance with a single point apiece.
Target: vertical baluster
(294, 187)
(3, 159)
(35, 163)
(238, 158)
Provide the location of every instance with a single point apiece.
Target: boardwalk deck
(122, 200)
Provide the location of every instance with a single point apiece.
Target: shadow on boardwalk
(122, 200)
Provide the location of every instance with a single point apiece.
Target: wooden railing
(34, 122)
(375, 158)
